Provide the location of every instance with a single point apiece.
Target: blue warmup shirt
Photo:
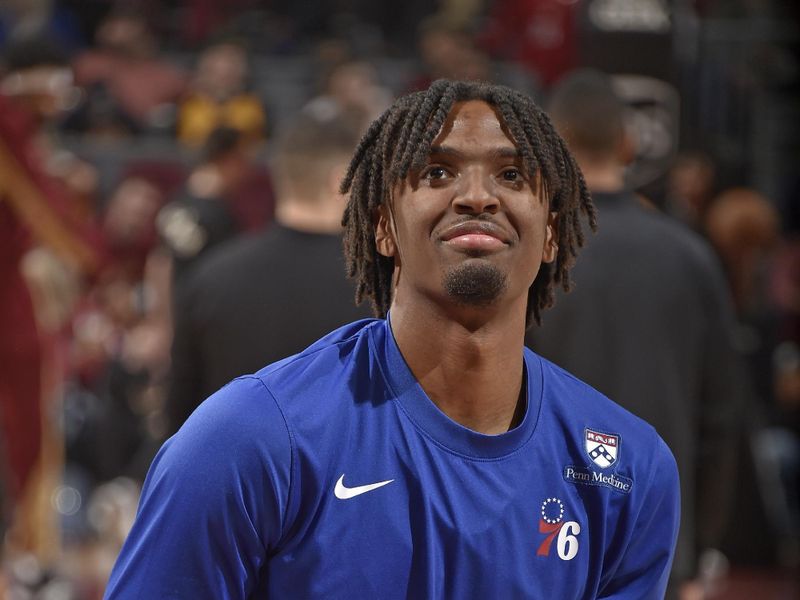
(331, 474)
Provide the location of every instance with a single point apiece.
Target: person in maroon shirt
(35, 209)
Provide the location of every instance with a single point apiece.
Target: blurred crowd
(139, 139)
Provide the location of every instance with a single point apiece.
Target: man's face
(471, 227)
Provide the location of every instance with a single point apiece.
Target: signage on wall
(645, 16)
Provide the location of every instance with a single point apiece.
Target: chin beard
(475, 284)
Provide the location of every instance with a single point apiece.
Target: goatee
(473, 284)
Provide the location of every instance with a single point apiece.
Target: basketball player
(427, 453)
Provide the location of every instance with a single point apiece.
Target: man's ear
(384, 238)
(550, 250)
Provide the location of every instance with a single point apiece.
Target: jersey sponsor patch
(602, 448)
(588, 476)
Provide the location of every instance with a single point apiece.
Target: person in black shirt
(201, 216)
(649, 321)
(260, 299)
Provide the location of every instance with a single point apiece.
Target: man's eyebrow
(508, 152)
(449, 150)
(499, 152)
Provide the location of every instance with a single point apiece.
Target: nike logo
(343, 492)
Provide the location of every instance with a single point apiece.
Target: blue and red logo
(553, 525)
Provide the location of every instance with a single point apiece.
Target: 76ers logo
(565, 532)
(602, 448)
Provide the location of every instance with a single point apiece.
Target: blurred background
(135, 136)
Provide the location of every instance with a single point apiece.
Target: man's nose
(475, 194)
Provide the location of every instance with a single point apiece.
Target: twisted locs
(399, 141)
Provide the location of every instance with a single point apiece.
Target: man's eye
(436, 173)
(512, 175)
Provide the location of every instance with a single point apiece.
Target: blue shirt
(332, 475)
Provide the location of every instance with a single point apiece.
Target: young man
(427, 454)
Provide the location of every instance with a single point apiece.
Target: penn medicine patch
(602, 448)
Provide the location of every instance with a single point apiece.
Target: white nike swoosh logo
(343, 492)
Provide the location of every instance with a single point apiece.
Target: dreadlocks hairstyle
(399, 142)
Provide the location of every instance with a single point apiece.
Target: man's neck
(602, 176)
(309, 217)
(472, 369)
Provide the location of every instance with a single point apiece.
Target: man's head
(690, 186)
(126, 33)
(222, 71)
(468, 188)
(591, 118)
(309, 159)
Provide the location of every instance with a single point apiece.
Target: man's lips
(475, 235)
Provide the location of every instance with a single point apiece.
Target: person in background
(126, 72)
(120, 340)
(218, 97)
(690, 188)
(744, 228)
(650, 320)
(352, 87)
(45, 239)
(245, 306)
(211, 208)
(447, 52)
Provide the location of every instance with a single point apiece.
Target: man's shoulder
(659, 247)
(293, 383)
(668, 234)
(230, 269)
(233, 256)
(254, 258)
(329, 357)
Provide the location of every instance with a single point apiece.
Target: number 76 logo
(552, 523)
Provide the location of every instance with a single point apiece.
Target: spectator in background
(744, 227)
(129, 222)
(126, 72)
(352, 87)
(649, 322)
(263, 298)
(36, 209)
(119, 348)
(448, 53)
(210, 209)
(128, 226)
(690, 188)
(218, 97)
